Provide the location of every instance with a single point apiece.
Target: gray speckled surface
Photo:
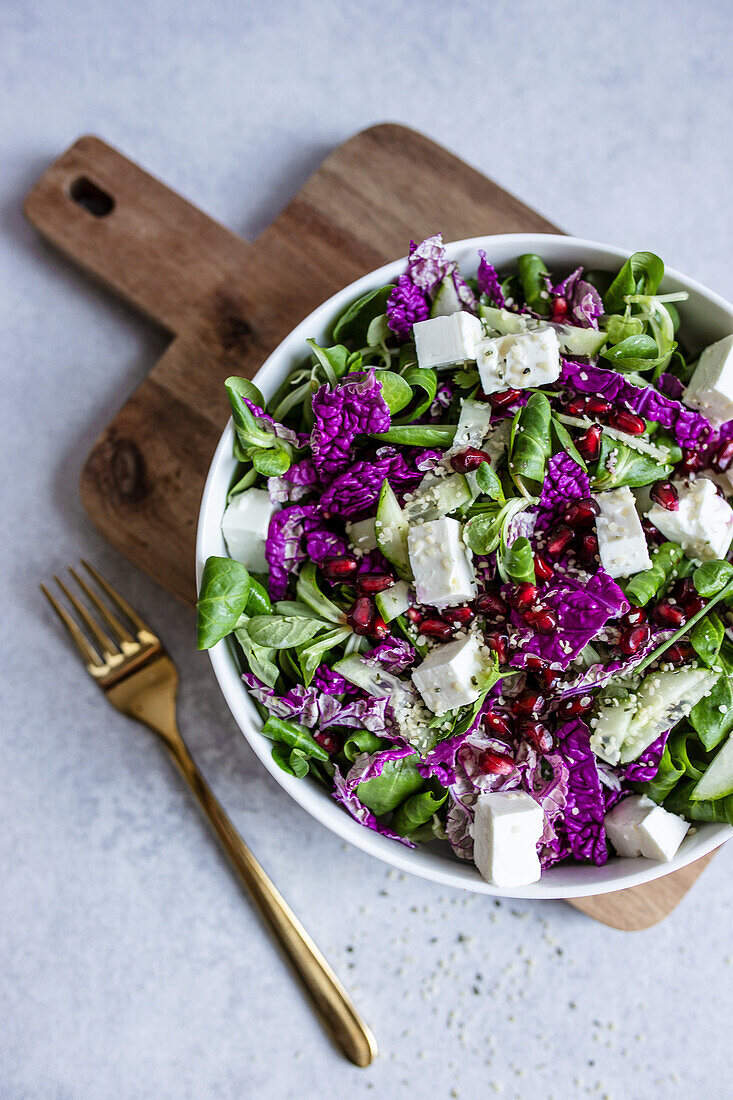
(130, 965)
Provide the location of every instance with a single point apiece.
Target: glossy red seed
(414, 615)
(588, 549)
(679, 653)
(522, 596)
(436, 628)
(576, 406)
(504, 399)
(691, 460)
(693, 605)
(498, 643)
(340, 568)
(459, 616)
(371, 583)
(559, 309)
(665, 495)
(379, 629)
(558, 540)
(652, 533)
(683, 589)
(543, 571)
(361, 615)
(589, 443)
(547, 678)
(598, 406)
(491, 605)
(633, 617)
(328, 741)
(498, 723)
(668, 614)
(581, 513)
(529, 704)
(534, 662)
(633, 638)
(537, 734)
(575, 705)
(628, 422)
(468, 460)
(495, 763)
(723, 457)
(541, 619)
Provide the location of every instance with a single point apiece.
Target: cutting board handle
(129, 230)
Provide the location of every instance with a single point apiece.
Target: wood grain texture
(227, 303)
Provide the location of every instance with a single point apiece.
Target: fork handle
(330, 999)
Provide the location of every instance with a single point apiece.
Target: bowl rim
(443, 869)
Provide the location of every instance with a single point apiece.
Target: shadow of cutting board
(227, 303)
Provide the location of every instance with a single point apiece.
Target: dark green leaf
(336, 361)
(563, 443)
(362, 741)
(396, 390)
(399, 779)
(245, 481)
(532, 272)
(295, 736)
(483, 532)
(680, 802)
(416, 811)
(425, 381)
(310, 594)
(710, 723)
(311, 655)
(273, 462)
(352, 326)
(258, 602)
(282, 631)
(620, 464)
(260, 659)
(664, 781)
(706, 637)
(644, 586)
(711, 576)
(641, 274)
(489, 483)
(516, 562)
(249, 432)
(291, 761)
(529, 443)
(439, 436)
(222, 600)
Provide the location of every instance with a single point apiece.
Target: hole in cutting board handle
(92, 198)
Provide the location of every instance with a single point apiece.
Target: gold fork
(130, 665)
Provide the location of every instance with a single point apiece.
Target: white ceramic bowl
(707, 317)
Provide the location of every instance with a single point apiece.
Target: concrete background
(130, 966)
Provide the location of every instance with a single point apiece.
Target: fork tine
(122, 603)
(89, 655)
(103, 640)
(119, 630)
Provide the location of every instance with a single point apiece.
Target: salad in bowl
(477, 579)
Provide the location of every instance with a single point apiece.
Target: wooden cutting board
(227, 303)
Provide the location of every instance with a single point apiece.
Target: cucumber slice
(717, 782)
(580, 341)
(436, 497)
(394, 601)
(662, 700)
(446, 300)
(473, 423)
(611, 726)
(391, 529)
(362, 535)
(374, 680)
(502, 321)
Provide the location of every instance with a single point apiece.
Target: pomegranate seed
(559, 539)
(577, 704)
(581, 513)
(633, 638)
(534, 662)
(498, 723)
(498, 643)
(542, 619)
(495, 763)
(683, 589)
(436, 628)
(588, 549)
(693, 605)
(667, 614)
(504, 399)
(678, 653)
(598, 406)
(459, 616)
(723, 457)
(468, 460)
(559, 309)
(653, 534)
(690, 461)
(627, 422)
(492, 605)
(577, 406)
(379, 629)
(548, 677)
(361, 615)
(523, 595)
(542, 568)
(589, 443)
(665, 495)
(633, 617)
(328, 741)
(537, 734)
(414, 615)
(340, 568)
(371, 583)
(529, 704)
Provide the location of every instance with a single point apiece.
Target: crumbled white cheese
(506, 830)
(711, 387)
(636, 826)
(449, 676)
(441, 563)
(447, 341)
(621, 540)
(519, 360)
(703, 523)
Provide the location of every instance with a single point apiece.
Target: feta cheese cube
(441, 563)
(506, 829)
(519, 360)
(362, 535)
(449, 675)
(703, 523)
(245, 525)
(636, 826)
(711, 387)
(446, 341)
(621, 540)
